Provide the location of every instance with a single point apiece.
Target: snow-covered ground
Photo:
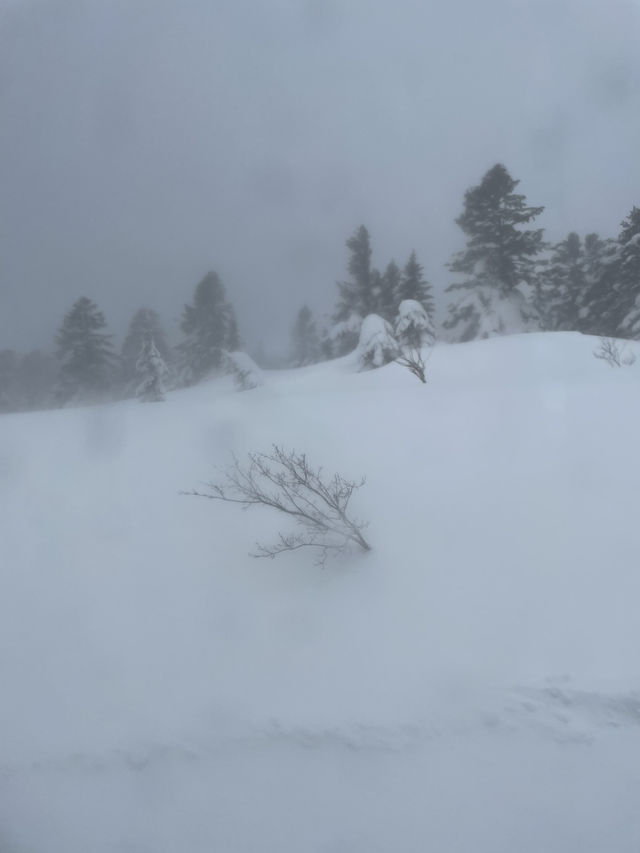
(472, 684)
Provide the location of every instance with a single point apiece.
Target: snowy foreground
(472, 684)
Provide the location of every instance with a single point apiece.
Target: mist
(144, 143)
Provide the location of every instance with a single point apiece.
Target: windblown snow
(472, 684)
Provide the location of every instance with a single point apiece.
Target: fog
(143, 143)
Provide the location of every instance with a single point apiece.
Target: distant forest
(505, 280)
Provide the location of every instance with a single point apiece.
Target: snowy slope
(472, 684)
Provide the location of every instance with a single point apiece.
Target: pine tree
(414, 286)
(499, 258)
(144, 323)
(356, 297)
(563, 286)
(600, 255)
(388, 294)
(209, 326)
(233, 343)
(627, 289)
(85, 352)
(305, 342)
(152, 371)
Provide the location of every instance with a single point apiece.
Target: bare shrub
(411, 358)
(285, 481)
(614, 354)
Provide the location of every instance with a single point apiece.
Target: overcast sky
(144, 142)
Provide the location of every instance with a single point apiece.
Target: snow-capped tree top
(413, 325)
(377, 345)
(411, 308)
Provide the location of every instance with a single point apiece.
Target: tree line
(86, 367)
(507, 279)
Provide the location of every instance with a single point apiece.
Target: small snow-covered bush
(413, 328)
(245, 372)
(377, 345)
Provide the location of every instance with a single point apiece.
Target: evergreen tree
(599, 268)
(210, 328)
(152, 371)
(305, 342)
(233, 337)
(388, 294)
(499, 258)
(414, 286)
(144, 323)
(356, 298)
(562, 291)
(85, 352)
(626, 304)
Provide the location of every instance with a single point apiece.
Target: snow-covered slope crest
(191, 697)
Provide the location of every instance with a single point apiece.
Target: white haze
(143, 143)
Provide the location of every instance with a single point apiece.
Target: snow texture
(471, 684)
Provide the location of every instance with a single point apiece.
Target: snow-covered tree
(151, 371)
(341, 338)
(377, 345)
(144, 323)
(498, 261)
(85, 352)
(305, 341)
(245, 372)
(356, 296)
(413, 327)
(210, 328)
(414, 286)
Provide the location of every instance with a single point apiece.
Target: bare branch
(285, 481)
(610, 351)
(411, 358)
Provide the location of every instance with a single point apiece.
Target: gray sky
(144, 142)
